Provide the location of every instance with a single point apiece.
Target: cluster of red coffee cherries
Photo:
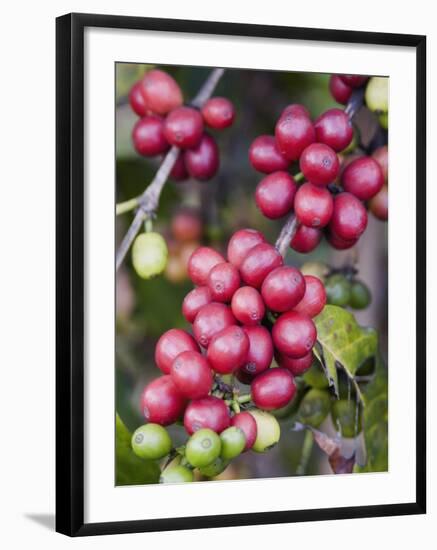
(165, 121)
(332, 200)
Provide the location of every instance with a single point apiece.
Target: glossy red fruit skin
(161, 401)
(183, 127)
(274, 195)
(194, 301)
(340, 91)
(241, 243)
(306, 239)
(349, 218)
(192, 375)
(161, 92)
(334, 128)
(210, 320)
(283, 288)
(228, 350)
(314, 299)
(378, 204)
(273, 389)
(381, 156)
(340, 244)
(258, 263)
(218, 113)
(353, 80)
(247, 424)
(203, 161)
(296, 109)
(170, 345)
(137, 101)
(294, 334)
(319, 164)
(186, 225)
(294, 131)
(265, 157)
(260, 354)
(179, 170)
(148, 136)
(208, 412)
(363, 178)
(296, 366)
(248, 306)
(313, 205)
(201, 261)
(223, 281)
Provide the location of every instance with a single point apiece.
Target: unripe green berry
(151, 441)
(314, 407)
(233, 442)
(176, 474)
(338, 290)
(317, 269)
(216, 467)
(344, 417)
(376, 95)
(360, 295)
(383, 120)
(268, 431)
(149, 255)
(202, 448)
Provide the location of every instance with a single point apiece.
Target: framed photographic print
(240, 322)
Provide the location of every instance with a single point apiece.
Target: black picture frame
(70, 273)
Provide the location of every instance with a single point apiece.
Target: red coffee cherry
(340, 91)
(170, 345)
(296, 366)
(148, 136)
(218, 113)
(137, 101)
(183, 127)
(241, 243)
(192, 375)
(378, 204)
(314, 299)
(273, 389)
(265, 157)
(202, 162)
(247, 424)
(294, 131)
(363, 178)
(161, 92)
(283, 288)
(274, 195)
(228, 350)
(248, 306)
(349, 218)
(258, 263)
(340, 244)
(161, 401)
(306, 239)
(244, 377)
(260, 354)
(179, 170)
(194, 301)
(186, 225)
(223, 281)
(201, 262)
(210, 320)
(296, 109)
(319, 164)
(208, 412)
(313, 205)
(381, 156)
(334, 128)
(353, 80)
(294, 334)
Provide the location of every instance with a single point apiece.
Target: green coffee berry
(338, 290)
(268, 431)
(360, 295)
(383, 120)
(202, 448)
(314, 407)
(216, 467)
(376, 95)
(233, 442)
(151, 441)
(176, 474)
(149, 255)
(317, 269)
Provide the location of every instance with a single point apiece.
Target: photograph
(251, 268)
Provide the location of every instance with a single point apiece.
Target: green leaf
(130, 469)
(342, 343)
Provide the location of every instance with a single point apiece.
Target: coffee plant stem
(307, 448)
(287, 233)
(126, 206)
(149, 200)
(355, 103)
